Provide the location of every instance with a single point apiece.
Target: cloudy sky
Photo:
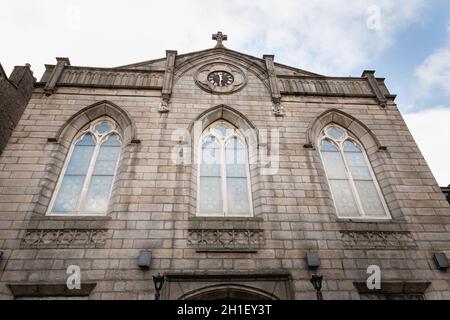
(408, 42)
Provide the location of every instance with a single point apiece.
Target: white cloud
(434, 72)
(329, 36)
(433, 77)
(431, 131)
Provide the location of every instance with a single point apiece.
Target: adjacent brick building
(245, 240)
(15, 92)
(446, 191)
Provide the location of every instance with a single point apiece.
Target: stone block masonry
(153, 204)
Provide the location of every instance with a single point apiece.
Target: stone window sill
(71, 218)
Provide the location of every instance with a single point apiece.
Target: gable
(159, 64)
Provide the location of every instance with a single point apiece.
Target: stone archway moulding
(92, 112)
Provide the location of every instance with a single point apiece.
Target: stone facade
(153, 202)
(15, 92)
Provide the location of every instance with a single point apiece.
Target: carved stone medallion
(233, 80)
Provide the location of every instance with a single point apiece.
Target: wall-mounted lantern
(159, 281)
(316, 281)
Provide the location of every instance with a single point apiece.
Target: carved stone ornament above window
(225, 240)
(238, 77)
(64, 238)
(378, 239)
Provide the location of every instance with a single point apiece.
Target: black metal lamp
(316, 281)
(159, 281)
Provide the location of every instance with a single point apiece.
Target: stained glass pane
(81, 156)
(334, 165)
(103, 127)
(79, 160)
(210, 193)
(236, 170)
(210, 151)
(87, 140)
(98, 194)
(350, 146)
(221, 130)
(209, 170)
(237, 193)
(335, 133)
(370, 198)
(112, 140)
(235, 158)
(356, 161)
(68, 194)
(105, 168)
(327, 145)
(344, 198)
(107, 157)
(235, 151)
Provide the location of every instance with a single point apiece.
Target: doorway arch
(228, 292)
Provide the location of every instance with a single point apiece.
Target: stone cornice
(107, 78)
(333, 86)
(367, 86)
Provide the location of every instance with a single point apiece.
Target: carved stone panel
(378, 239)
(225, 239)
(64, 238)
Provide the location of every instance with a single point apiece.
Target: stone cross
(219, 37)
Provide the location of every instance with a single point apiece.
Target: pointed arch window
(353, 185)
(85, 184)
(224, 187)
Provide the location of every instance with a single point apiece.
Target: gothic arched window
(223, 173)
(85, 183)
(353, 185)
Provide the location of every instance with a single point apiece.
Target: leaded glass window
(353, 185)
(86, 181)
(223, 174)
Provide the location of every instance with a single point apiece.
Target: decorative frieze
(110, 78)
(325, 86)
(64, 238)
(378, 239)
(225, 239)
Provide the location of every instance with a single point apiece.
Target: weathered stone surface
(153, 204)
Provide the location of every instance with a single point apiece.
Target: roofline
(221, 49)
(2, 71)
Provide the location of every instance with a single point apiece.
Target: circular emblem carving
(220, 78)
